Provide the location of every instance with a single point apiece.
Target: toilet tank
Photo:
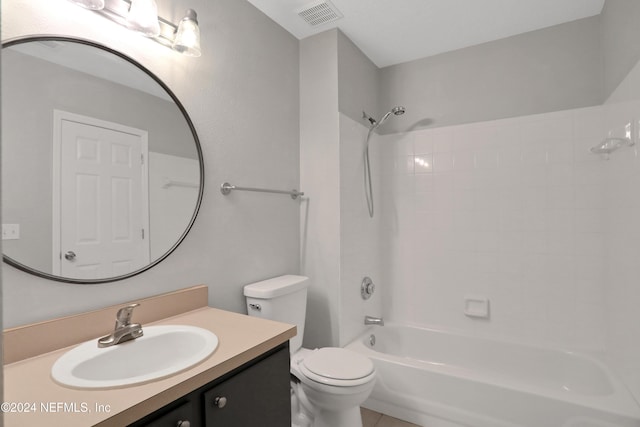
(283, 299)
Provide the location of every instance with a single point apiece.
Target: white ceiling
(394, 31)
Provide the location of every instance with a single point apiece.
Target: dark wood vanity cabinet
(255, 394)
(182, 416)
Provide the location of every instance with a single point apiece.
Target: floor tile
(375, 419)
(369, 417)
(387, 421)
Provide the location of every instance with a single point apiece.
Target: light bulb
(90, 4)
(187, 39)
(143, 17)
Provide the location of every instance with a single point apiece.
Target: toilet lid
(338, 363)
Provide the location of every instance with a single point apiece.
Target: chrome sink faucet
(124, 329)
(369, 320)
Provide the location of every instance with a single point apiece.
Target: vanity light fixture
(90, 4)
(142, 16)
(187, 39)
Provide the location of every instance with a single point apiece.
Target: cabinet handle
(220, 402)
(183, 424)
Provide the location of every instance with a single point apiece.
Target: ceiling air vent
(319, 12)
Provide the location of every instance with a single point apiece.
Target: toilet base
(348, 418)
(304, 414)
(301, 422)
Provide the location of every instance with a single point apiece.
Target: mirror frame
(27, 269)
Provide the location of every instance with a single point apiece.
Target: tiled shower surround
(516, 210)
(520, 212)
(511, 210)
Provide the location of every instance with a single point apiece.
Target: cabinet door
(257, 396)
(182, 416)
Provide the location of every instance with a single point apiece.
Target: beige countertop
(36, 400)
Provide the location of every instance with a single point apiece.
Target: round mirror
(102, 172)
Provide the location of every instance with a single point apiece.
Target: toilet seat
(337, 367)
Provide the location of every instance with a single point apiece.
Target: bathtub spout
(369, 320)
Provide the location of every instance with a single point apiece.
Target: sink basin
(162, 351)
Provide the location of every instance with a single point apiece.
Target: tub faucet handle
(367, 288)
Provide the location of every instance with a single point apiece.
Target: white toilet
(331, 382)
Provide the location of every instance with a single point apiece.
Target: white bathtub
(440, 379)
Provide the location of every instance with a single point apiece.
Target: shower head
(397, 111)
(611, 144)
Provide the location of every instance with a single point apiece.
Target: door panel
(103, 201)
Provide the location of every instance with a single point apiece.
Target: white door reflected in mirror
(101, 196)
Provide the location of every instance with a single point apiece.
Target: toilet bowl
(334, 382)
(330, 383)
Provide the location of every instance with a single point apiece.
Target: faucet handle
(123, 317)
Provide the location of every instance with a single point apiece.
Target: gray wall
(552, 69)
(576, 64)
(320, 179)
(620, 35)
(34, 87)
(249, 66)
(358, 81)
(335, 76)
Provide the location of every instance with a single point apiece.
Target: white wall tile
(588, 131)
(590, 173)
(442, 139)
(423, 142)
(560, 151)
(507, 209)
(423, 183)
(464, 160)
(534, 154)
(486, 159)
(443, 161)
(589, 197)
(559, 174)
(424, 202)
(423, 163)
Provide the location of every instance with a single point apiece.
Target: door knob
(70, 255)
(183, 424)
(220, 402)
